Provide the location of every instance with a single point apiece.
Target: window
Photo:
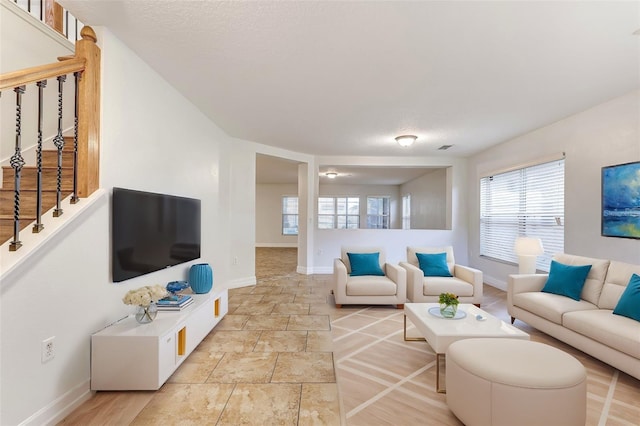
(338, 212)
(524, 202)
(378, 212)
(406, 211)
(289, 215)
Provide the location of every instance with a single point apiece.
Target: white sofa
(390, 289)
(466, 282)
(588, 324)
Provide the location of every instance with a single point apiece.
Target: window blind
(523, 202)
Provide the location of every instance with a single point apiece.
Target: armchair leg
(338, 305)
(512, 320)
(400, 306)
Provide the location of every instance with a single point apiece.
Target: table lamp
(528, 249)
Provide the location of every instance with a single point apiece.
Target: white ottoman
(514, 382)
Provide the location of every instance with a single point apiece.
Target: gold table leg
(411, 339)
(438, 356)
(438, 388)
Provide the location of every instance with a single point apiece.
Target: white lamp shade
(527, 246)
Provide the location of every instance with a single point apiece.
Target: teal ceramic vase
(201, 278)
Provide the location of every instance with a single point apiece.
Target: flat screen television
(151, 232)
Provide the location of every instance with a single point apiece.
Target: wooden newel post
(89, 114)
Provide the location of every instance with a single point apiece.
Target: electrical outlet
(48, 349)
(235, 260)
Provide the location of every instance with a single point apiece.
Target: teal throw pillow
(566, 280)
(365, 264)
(434, 264)
(629, 303)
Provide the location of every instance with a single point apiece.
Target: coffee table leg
(411, 339)
(438, 388)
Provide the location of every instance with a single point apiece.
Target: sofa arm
(415, 280)
(472, 276)
(524, 283)
(398, 275)
(339, 280)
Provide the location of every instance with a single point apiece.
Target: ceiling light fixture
(406, 140)
(331, 175)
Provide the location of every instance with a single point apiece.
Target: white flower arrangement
(143, 296)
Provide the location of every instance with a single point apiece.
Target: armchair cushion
(434, 264)
(365, 264)
(371, 286)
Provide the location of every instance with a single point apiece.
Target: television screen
(151, 232)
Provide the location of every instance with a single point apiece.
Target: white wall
(269, 215)
(428, 200)
(601, 136)
(154, 140)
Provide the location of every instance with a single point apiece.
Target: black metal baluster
(17, 162)
(74, 197)
(58, 141)
(38, 226)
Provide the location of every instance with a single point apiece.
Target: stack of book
(174, 303)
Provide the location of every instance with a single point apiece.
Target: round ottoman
(514, 382)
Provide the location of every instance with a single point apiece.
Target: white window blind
(378, 212)
(406, 211)
(524, 202)
(289, 215)
(338, 212)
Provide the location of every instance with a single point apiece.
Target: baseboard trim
(310, 271)
(241, 282)
(278, 245)
(494, 282)
(61, 407)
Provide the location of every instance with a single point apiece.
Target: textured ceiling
(345, 78)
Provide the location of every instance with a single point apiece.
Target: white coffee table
(439, 332)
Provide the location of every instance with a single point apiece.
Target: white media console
(131, 356)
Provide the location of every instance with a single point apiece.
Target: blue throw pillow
(566, 280)
(434, 264)
(629, 303)
(365, 264)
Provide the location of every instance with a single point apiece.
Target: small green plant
(448, 299)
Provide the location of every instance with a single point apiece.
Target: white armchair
(389, 289)
(465, 282)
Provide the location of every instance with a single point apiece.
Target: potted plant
(448, 304)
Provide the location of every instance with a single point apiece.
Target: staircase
(28, 189)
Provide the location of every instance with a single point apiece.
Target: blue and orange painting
(621, 200)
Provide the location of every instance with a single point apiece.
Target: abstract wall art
(621, 200)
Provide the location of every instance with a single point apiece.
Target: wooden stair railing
(73, 168)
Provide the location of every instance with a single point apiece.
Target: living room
(156, 139)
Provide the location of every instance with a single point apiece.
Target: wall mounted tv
(151, 232)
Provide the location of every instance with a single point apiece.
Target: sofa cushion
(434, 264)
(433, 286)
(566, 280)
(615, 331)
(549, 306)
(595, 280)
(618, 277)
(629, 303)
(365, 264)
(370, 285)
